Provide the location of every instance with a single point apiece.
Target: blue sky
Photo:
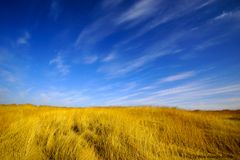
(115, 52)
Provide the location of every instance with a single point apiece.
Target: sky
(72, 53)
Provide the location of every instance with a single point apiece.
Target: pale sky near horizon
(121, 52)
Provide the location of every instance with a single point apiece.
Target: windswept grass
(32, 133)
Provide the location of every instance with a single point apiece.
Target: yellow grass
(32, 133)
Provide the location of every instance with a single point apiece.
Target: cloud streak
(169, 12)
(156, 50)
(180, 76)
(61, 97)
(109, 57)
(139, 11)
(228, 15)
(186, 95)
(95, 32)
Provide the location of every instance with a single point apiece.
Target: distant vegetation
(132, 133)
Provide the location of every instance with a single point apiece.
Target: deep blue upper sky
(115, 52)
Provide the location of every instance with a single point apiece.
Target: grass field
(135, 133)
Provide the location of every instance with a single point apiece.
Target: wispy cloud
(231, 17)
(185, 88)
(139, 11)
(122, 69)
(61, 97)
(123, 100)
(139, 62)
(60, 65)
(179, 76)
(232, 88)
(109, 57)
(24, 39)
(216, 104)
(168, 13)
(13, 67)
(205, 3)
(164, 47)
(195, 90)
(89, 59)
(228, 15)
(8, 66)
(180, 9)
(211, 42)
(185, 95)
(227, 24)
(129, 86)
(95, 32)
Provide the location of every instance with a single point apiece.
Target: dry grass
(28, 132)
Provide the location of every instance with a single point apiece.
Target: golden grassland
(118, 133)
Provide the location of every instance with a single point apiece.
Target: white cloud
(178, 90)
(195, 90)
(180, 9)
(89, 59)
(142, 9)
(24, 39)
(231, 17)
(62, 68)
(148, 87)
(199, 94)
(122, 69)
(61, 97)
(123, 100)
(154, 51)
(109, 57)
(139, 62)
(179, 76)
(13, 67)
(220, 90)
(228, 15)
(205, 3)
(95, 32)
(129, 86)
(211, 42)
(168, 13)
